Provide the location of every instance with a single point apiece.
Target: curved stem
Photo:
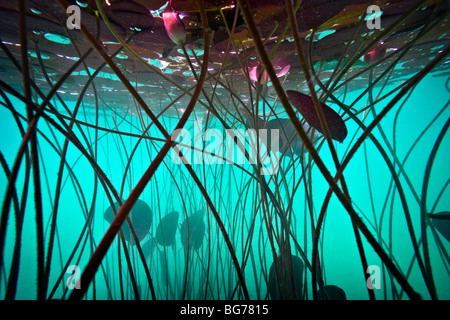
(345, 202)
(423, 206)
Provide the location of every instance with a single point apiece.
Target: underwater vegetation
(135, 164)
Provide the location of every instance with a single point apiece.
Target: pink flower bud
(174, 26)
(254, 72)
(376, 54)
(281, 69)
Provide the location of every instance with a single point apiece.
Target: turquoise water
(208, 272)
(95, 200)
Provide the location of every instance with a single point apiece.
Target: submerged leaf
(441, 221)
(148, 247)
(305, 105)
(193, 229)
(141, 217)
(289, 273)
(165, 232)
(331, 292)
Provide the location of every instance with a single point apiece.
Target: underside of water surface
(224, 149)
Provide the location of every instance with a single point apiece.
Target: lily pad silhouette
(280, 286)
(331, 292)
(165, 232)
(193, 231)
(141, 217)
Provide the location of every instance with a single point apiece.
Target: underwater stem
(289, 110)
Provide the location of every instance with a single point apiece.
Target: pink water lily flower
(281, 69)
(174, 26)
(375, 55)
